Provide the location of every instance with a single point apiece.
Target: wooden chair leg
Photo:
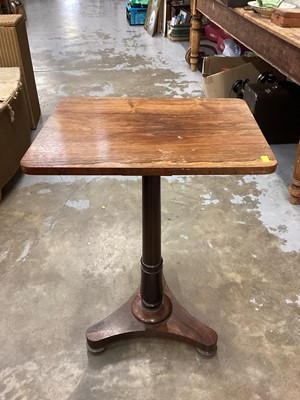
(294, 187)
(193, 52)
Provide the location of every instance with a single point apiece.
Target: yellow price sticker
(265, 159)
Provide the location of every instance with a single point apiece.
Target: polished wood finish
(109, 136)
(180, 325)
(150, 137)
(276, 45)
(152, 311)
(294, 187)
(151, 262)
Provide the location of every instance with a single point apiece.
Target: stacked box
(178, 32)
(136, 15)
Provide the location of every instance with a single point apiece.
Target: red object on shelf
(216, 34)
(213, 32)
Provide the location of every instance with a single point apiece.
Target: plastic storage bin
(136, 15)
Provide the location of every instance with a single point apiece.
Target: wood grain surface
(286, 18)
(120, 136)
(291, 35)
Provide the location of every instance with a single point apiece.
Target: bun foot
(206, 354)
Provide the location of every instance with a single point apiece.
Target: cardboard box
(15, 52)
(220, 73)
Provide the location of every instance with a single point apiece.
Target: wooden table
(150, 138)
(278, 46)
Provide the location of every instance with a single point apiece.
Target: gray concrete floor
(230, 244)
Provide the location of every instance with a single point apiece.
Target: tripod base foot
(170, 321)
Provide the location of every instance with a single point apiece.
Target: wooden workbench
(278, 46)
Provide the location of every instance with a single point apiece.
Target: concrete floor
(230, 244)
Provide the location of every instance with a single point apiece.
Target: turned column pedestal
(152, 311)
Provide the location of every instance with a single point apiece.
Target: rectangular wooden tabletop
(125, 136)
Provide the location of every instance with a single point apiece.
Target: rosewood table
(150, 138)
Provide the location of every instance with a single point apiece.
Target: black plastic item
(267, 77)
(5, 7)
(238, 87)
(235, 3)
(275, 107)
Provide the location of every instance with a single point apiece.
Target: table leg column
(151, 305)
(294, 187)
(152, 311)
(192, 55)
(151, 262)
